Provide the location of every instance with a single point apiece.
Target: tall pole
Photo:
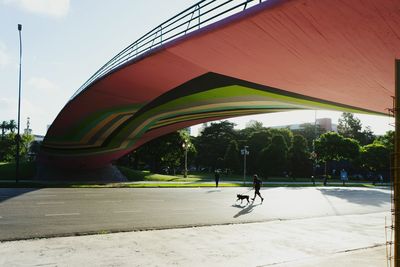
(244, 167)
(185, 146)
(186, 150)
(396, 178)
(245, 152)
(314, 155)
(18, 138)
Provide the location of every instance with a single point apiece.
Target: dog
(241, 197)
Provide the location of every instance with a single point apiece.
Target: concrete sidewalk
(335, 241)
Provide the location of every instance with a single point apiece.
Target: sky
(64, 42)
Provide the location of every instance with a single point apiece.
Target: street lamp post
(185, 147)
(18, 138)
(313, 157)
(244, 152)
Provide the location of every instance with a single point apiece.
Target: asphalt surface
(30, 213)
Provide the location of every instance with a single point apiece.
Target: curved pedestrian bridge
(222, 59)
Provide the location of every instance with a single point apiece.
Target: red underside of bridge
(341, 51)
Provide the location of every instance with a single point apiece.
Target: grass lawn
(27, 170)
(135, 175)
(162, 185)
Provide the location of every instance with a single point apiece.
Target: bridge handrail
(201, 14)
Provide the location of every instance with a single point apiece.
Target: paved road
(27, 213)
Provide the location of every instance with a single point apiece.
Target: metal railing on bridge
(193, 18)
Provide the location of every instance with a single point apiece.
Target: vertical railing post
(198, 8)
(396, 178)
(161, 34)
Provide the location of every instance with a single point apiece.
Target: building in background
(38, 138)
(324, 123)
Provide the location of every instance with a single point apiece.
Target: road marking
(62, 214)
(154, 200)
(94, 194)
(127, 211)
(45, 195)
(50, 203)
(1, 217)
(182, 209)
(109, 201)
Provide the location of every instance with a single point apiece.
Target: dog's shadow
(244, 209)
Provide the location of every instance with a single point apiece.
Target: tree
(34, 148)
(350, 127)
(375, 157)
(165, 151)
(333, 147)
(310, 132)
(350, 149)
(299, 157)
(12, 126)
(26, 140)
(251, 127)
(386, 140)
(212, 143)
(231, 158)
(273, 159)
(257, 142)
(4, 128)
(286, 133)
(8, 147)
(366, 136)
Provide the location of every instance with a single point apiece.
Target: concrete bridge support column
(396, 178)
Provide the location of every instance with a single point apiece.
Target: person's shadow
(213, 190)
(244, 210)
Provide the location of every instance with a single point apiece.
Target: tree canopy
(332, 146)
(375, 157)
(349, 126)
(8, 147)
(213, 142)
(273, 152)
(299, 157)
(231, 158)
(273, 159)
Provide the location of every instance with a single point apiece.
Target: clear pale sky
(65, 42)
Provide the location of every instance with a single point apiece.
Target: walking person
(216, 174)
(343, 176)
(257, 185)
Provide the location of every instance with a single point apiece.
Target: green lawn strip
(166, 185)
(188, 185)
(135, 175)
(27, 170)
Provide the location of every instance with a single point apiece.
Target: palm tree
(12, 126)
(3, 127)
